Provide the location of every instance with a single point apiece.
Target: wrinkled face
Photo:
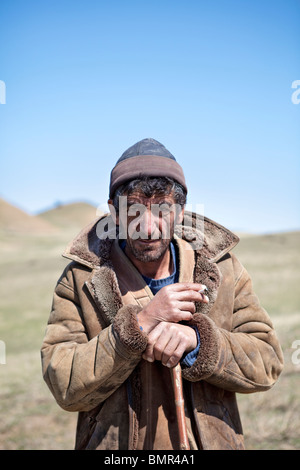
(149, 224)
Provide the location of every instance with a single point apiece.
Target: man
(150, 287)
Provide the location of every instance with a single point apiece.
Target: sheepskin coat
(92, 349)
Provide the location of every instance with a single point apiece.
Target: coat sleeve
(81, 372)
(246, 359)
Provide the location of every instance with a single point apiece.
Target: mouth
(147, 242)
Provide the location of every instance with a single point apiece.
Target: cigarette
(203, 290)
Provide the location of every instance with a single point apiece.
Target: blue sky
(211, 80)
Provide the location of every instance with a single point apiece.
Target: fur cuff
(209, 352)
(127, 329)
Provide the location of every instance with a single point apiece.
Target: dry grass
(30, 266)
(271, 420)
(30, 419)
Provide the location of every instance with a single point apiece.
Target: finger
(205, 299)
(182, 315)
(187, 306)
(171, 352)
(164, 347)
(148, 354)
(185, 340)
(164, 341)
(188, 286)
(191, 295)
(153, 336)
(175, 357)
(168, 345)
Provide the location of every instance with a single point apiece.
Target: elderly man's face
(149, 224)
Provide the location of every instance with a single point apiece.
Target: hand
(173, 303)
(167, 343)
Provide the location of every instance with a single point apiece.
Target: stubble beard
(148, 254)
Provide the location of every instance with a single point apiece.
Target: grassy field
(30, 419)
(271, 420)
(30, 267)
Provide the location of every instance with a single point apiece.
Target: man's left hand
(168, 342)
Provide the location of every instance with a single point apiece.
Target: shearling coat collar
(209, 237)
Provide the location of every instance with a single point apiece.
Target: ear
(180, 216)
(112, 211)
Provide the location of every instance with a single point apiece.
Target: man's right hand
(173, 303)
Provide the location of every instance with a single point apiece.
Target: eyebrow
(163, 201)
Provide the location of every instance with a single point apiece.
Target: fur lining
(206, 273)
(88, 247)
(209, 352)
(126, 327)
(104, 286)
(205, 235)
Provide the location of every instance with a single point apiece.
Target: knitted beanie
(147, 157)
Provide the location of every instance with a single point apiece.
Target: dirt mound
(13, 219)
(71, 216)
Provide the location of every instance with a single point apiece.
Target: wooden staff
(179, 405)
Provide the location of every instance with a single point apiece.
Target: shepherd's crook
(179, 405)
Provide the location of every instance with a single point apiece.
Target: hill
(13, 219)
(73, 216)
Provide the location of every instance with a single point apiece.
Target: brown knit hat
(147, 157)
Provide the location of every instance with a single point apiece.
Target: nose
(149, 225)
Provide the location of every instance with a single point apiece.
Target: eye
(135, 209)
(165, 209)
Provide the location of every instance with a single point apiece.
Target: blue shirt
(157, 284)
